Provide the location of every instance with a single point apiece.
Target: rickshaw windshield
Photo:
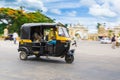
(63, 32)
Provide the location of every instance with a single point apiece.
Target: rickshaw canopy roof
(28, 25)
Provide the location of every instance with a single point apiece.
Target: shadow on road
(50, 60)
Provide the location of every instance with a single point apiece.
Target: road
(93, 61)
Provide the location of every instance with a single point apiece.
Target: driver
(52, 41)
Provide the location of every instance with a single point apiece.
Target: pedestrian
(6, 32)
(15, 36)
(113, 40)
(117, 41)
(74, 42)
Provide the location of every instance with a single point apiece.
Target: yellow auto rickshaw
(45, 39)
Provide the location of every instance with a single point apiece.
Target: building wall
(78, 29)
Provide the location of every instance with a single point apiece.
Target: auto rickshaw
(61, 48)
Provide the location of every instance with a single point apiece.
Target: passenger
(53, 41)
(37, 38)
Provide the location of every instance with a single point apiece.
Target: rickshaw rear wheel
(23, 55)
(69, 58)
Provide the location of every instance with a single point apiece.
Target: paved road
(93, 61)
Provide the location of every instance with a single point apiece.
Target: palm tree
(98, 25)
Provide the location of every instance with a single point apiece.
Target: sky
(84, 12)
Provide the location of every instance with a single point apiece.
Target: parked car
(105, 41)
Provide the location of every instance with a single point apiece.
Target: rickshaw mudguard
(71, 52)
(23, 49)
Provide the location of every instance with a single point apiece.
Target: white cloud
(38, 4)
(87, 2)
(63, 5)
(28, 4)
(72, 13)
(115, 5)
(48, 1)
(112, 7)
(104, 10)
(56, 11)
(5, 4)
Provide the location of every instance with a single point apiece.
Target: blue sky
(85, 12)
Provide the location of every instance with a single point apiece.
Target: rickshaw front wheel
(23, 55)
(69, 58)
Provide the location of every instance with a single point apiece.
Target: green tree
(98, 25)
(110, 32)
(18, 17)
